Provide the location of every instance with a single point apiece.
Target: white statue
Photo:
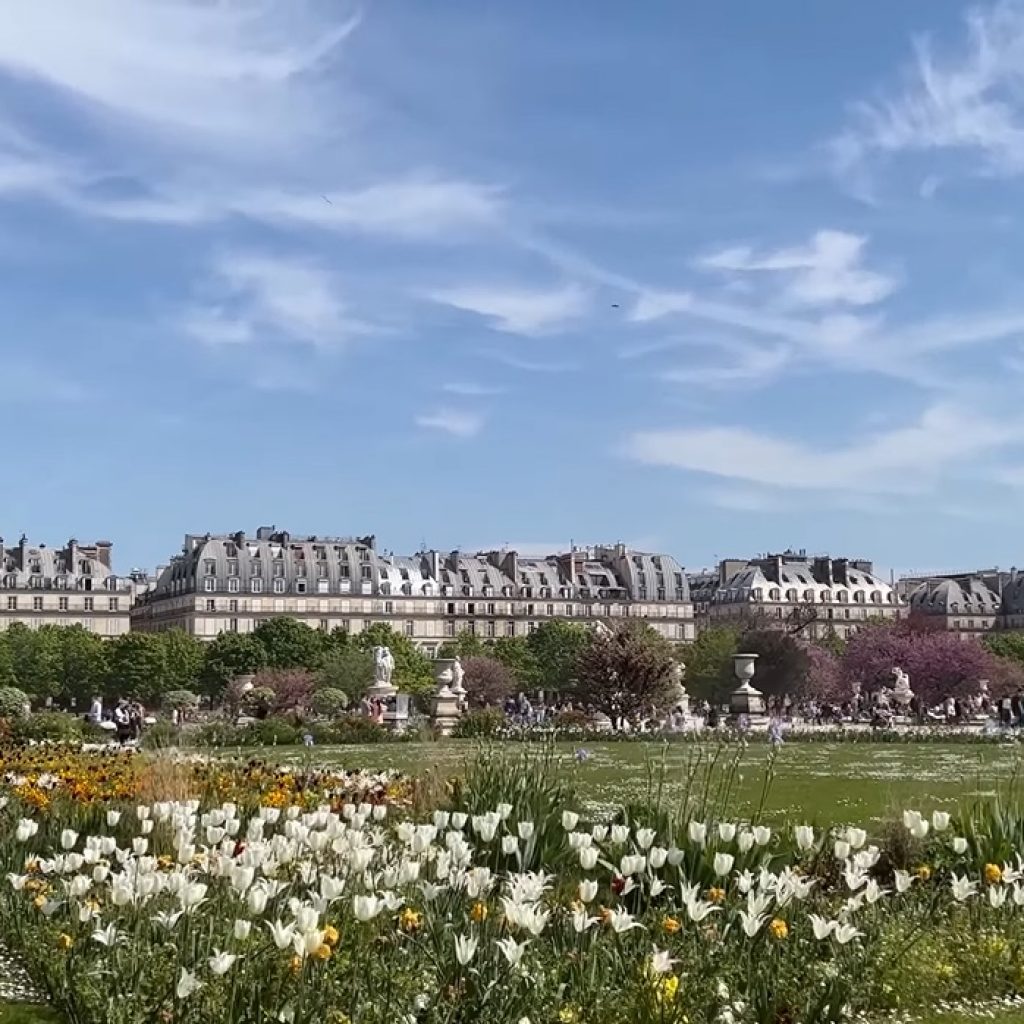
(383, 665)
(902, 692)
(458, 674)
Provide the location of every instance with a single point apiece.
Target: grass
(823, 782)
(26, 1013)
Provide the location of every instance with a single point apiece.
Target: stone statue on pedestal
(383, 665)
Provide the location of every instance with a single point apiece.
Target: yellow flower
(331, 935)
(567, 1015)
(64, 941)
(296, 964)
(322, 952)
(945, 971)
(667, 988)
(478, 913)
(993, 874)
(39, 902)
(409, 920)
(671, 925)
(716, 895)
(923, 872)
(778, 928)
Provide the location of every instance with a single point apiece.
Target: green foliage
(180, 700)
(185, 656)
(84, 664)
(329, 701)
(289, 643)
(480, 723)
(138, 667)
(270, 732)
(160, 736)
(555, 647)
(516, 653)
(465, 645)
(782, 663)
(347, 668)
(229, 656)
(413, 670)
(7, 674)
(709, 671)
(357, 729)
(34, 659)
(1009, 645)
(12, 702)
(259, 700)
(55, 726)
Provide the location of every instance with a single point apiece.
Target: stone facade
(69, 586)
(969, 603)
(790, 590)
(231, 582)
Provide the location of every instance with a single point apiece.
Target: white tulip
(856, 837)
(699, 909)
(366, 908)
(570, 819)
(726, 831)
(698, 832)
(751, 923)
(844, 933)
(622, 921)
(823, 928)
(458, 820)
(525, 830)
(167, 920)
(940, 820)
(959, 846)
(997, 896)
(661, 962)
(511, 950)
(256, 901)
(68, 838)
(26, 830)
(465, 949)
(762, 834)
(503, 811)
(581, 922)
(509, 844)
(113, 817)
(146, 826)
(619, 834)
(841, 849)
(645, 838)
(745, 842)
(242, 929)
(282, 934)
(963, 888)
(588, 858)
(187, 984)
(587, 890)
(723, 864)
(656, 857)
(140, 846)
(804, 835)
(600, 833)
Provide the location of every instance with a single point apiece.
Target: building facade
(70, 586)
(816, 594)
(968, 603)
(232, 582)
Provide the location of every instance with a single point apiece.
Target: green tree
(628, 672)
(138, 667)
(514, 652)
(8, 677)
(413, 670)
(709, 671)
(1009, 645)
(349, 669)
(228, 656)
(465, 645)
(34, 658)
(185, 656)
(782, 663)
(556, 647)
(289, 643)
(831, 642)
(84, 667)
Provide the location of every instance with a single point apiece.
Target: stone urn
(745, 700)
(447, 704)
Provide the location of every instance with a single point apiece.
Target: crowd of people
(126, 719)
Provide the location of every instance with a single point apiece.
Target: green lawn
(826, 782)
(25, 1013)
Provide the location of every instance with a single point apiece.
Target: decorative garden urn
(745, 700)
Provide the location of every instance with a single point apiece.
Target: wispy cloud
(750, 364)
(531, 365)
(969, 100)
(517, 310)
(260, 296)
(827, 271)
(471, 389)
(457, 422)
(902, 460)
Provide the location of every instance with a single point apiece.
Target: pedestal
(446, 711)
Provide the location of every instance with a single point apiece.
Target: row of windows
(11, 582)
(88, 604)
(793, 596)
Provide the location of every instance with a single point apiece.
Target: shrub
(357, 729)
(270, 732)
(574, 721)
(216, 734)
(160, 736)
(329, 701)
(480, 723)
(179, 700)
(56, 726)
(12, 702)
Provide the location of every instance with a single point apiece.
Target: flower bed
(211, 911)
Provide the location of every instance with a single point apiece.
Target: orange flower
(331, 935)
(923, 872)
(993, 874)
(478, 912)
(322, 952)
(671, 925)
(716, 895)
(778, 928)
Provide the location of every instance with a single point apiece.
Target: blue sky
(707, 278)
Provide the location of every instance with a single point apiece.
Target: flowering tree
(291, 687)
(487, 680)
(823, 675)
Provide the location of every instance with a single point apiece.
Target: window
(211, 604)
(366, 572)
(343, 572)
(233, 605)
(112, 604)
(209, 583)
(278, 586)
(12, 604)
(410, 629)
(232, 625)
(774, 594)
(451, 608)
(449, 628)
(279, 568)
(233, 585)
(324, 625)
(89, 604)
(210, 567)
(62, 604)
(300, 586)
(492, 629)
(531, 627)
(490, 608)
(232, 566)
(257, 585)
(551, 609)
(323, 586)
(37, 604)
(510, 629)
(389, 607)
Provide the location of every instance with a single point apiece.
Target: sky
(707, 278)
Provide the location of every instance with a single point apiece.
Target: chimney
(22, 552)
(103, 552)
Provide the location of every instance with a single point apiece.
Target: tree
(823, 675)
(628, 672)
(709, 664)
(179, 700)
(515, 654)
(1008, 645)
(185, 657)
(556, 647)
(84, 664)
(465, 645)
(329, 702)
(34, 659)
(413, 670)
(289, 643)
(291, 687)
(229, 656)
(138, 667)
(8, 677)
(487, 681)
(348, 669)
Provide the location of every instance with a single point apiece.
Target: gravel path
(15, 986)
